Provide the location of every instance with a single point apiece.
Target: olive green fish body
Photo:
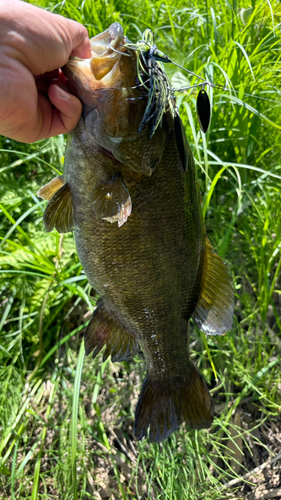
(139, 234)
(147, 271)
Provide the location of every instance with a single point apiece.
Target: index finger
(80, 40)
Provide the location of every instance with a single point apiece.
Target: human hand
(34, 44)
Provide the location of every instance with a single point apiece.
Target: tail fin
(165, 403)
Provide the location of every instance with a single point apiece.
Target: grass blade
(75, 406)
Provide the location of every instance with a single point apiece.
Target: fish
(132, 198)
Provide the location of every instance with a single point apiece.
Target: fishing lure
(153, 78)
(161, 94)
(159, 88)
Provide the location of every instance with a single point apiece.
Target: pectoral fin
(111, 200)
(59, 211)
(105, 330)
(214, 310)
(46, 192)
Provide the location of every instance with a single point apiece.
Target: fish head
(115, 100)
(109, 67)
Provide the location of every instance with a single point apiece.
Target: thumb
(67, 109)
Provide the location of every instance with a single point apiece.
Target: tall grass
(66, 430)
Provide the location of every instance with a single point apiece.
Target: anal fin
(59, 211)
(105, 330)
(111, 200)
(213, 313)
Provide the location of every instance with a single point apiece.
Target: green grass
(65, 424)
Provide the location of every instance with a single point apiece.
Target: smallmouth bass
(133, 202)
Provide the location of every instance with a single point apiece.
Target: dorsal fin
(181, 140)
(214, 310)
(59, 211)
(46, 192)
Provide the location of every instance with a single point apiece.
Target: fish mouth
(103, 44)
(106, 50)
(102, 70)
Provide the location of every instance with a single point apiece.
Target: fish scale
(133, 200)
